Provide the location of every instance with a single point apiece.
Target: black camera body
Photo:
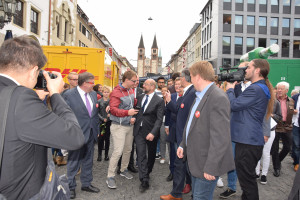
(41, 81)
(238, 75)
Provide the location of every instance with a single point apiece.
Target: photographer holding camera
(31, 127)
(248, 112)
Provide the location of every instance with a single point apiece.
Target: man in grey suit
(31, 127)
(82, 100)
(206, 142)
(146, 130)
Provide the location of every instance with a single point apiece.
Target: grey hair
(285, 84)
(186, 74)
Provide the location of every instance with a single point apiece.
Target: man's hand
(167, 131)
(105, 120)
(168, 96)
(180, 152)
(132, 121)
(132, 112)
(295, 111)
(209, 177)
(230, 85)
(108, 115)
(150, 137)
(107, 109)
(42, 94)
(54, 85)
(266, 138)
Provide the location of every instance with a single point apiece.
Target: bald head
(149, 86)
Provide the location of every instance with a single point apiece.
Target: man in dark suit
(180, 172)
(146, 130)
(206, 143)
(82, 100)
(31, 127)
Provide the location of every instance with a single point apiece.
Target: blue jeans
(296, 144)
(232, 177)
(203, 189)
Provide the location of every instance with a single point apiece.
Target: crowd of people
(209, 128)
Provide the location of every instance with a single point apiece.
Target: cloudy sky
(123, 22)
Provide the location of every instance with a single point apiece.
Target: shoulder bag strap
(5, 95)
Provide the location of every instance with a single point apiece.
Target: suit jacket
(30, 129)
(74, 100)
(238, 89)
(152, 117)
(139, 91)
(183, 111)
(208, 147)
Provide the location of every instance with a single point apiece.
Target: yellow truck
(66, 59)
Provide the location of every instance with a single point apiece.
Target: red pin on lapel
(97, 105)
(197, 114)
(182, 105)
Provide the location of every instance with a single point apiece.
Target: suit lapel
(200, 106)
(151, 102)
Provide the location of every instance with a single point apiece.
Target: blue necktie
(145, 102)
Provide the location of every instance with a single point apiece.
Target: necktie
(88, 105)
(145, 102)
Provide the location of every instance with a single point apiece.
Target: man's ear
(33, 72)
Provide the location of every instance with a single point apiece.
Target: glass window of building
(227, 62)
(286, 26)
(263, 6)
(239, 19)
(296, 49)
(239, 1)
(262, 21)
(239, 5)
(226, 44)
(274, 2)
(227, 0)
(286, 2)
(251, 6)
(296, 27)
(274, 6)
(18, 18)
(250, 44)
(297, 2)
(285, 48)
(238, 45)
(274, 22)
(286, 6)
(262, 1)
(251, 1)
(34, 17)
(262, 42)
(297, 6)
(226, 5)
(250, 20)
(226, 23)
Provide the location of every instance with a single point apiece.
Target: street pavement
(275, 189)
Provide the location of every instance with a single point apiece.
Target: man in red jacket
(122, 104)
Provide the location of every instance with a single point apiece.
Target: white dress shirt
(82, 94)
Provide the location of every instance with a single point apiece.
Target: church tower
(154, 56)
(141, 58)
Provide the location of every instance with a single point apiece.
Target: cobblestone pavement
(276, 188)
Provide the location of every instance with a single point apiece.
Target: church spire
(141, 45)
(154, 45)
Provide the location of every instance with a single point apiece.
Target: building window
(274, 26)
(285, 48)
(236, 62)
(286, 26)
(251, 6)
(297, 6)
(250, 44)
(227, 4)
(274, 41)
(250, 24)
(262, 42)
(226, 44)
(83, 30)
(263, 6)
(34, 17)
(239, 5)
(57, 30)
(296, 27)
(286, 6)
(238, 23)
(296, 48)
(226, 23)
(154, 50)
(226, 62)
(262, 25)
(80, 26)
(18, 18)
(238, 48)
(274, 6)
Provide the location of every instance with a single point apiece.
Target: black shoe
(132, 169)
(144, 186)
(118, 170)
(276, 172)
(227, 193)
(170, 177)
(72, 194)
(263, 180)
(99, 158)
(257, 176)
(106, 158)
(91, 189)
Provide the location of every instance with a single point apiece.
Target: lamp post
(7, 10)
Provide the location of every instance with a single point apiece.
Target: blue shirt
(199, 96)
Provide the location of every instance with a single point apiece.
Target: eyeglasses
(92, 83)
(134, 81)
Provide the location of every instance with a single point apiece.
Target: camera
(41, 81)
(137, 107)
(238, 75)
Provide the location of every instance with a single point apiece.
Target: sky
(124, 21)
